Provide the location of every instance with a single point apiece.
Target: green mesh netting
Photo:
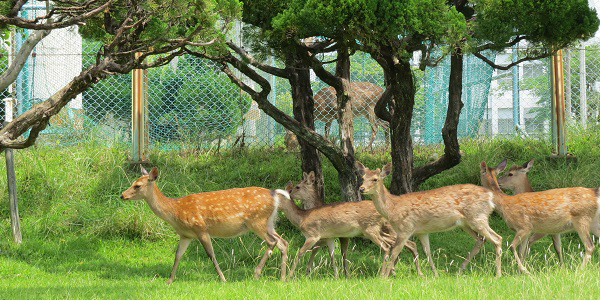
(477, 77)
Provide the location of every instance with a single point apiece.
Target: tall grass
(76, 228)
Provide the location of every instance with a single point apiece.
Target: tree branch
(33, 24)
(17, 64)
(508, 66)
(263, 67)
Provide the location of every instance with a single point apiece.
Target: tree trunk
(303, 107)
(348, 177)
(403, 90)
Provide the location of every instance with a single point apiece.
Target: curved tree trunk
(403, 90)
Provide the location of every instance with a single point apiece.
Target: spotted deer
(341, 220)
(549, 212)
(465, 205)
(226, 213)
(364, 96)
(517, 181)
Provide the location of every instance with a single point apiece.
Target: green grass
(82, 241)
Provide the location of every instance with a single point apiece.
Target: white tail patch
(283, 193)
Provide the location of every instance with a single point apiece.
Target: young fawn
(226, 213)
(465, 205)
(549, 212)
(341, 220)
(517, 182)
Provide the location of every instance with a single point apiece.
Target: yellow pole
(558, 104)
(138, 114)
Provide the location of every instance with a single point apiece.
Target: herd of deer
(388, 220)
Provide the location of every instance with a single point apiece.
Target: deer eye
(374, 179)
(510, 174)
(136, 187)
(297, 187)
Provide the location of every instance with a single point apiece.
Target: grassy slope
(82, 241)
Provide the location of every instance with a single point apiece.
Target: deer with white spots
(464, 205)
(226, 213)
(549, 212)
(517, 181)
(343, 220)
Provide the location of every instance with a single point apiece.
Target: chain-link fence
(191, 104)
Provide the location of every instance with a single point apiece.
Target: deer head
(142, 187)
(516, 178)
(304, 189)
(489, 175)
(372, 178)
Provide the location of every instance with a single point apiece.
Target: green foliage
(553, 24)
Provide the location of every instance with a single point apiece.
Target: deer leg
(344, 243)
(373, 122)
(482, 227)
(313, 253)
(309, 243)
(331, 248)
(204, 238)
(327, 128)
(401, 239)
(183, 245)
(479, 240)
(412, 247)
(264, 229)
(282, 245)
(525, 247)
(424, 238)
(582, 226)
(271, 242)
(557, 247)
(520, 237)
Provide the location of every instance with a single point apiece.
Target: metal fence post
(11, 179)
(139, 99)
(515, 89)
(568, 89)
(582, 88)
(558, 104)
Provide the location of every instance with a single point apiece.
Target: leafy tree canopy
(552, 24)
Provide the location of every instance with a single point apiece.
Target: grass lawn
(81, 241)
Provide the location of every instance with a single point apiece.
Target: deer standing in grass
(226, 213)
(549, 212)
(464, 205)
(341, 220)
(364, 97)
(517, 181)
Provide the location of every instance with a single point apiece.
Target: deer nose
(122, 197)
(362, 189)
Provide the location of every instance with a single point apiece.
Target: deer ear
(310, 179)
(501, 166)
(483, 167)
(360, 167)
(386, 170)
(153, 174)
(144, 172)
(289, 186)
(528, 165)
